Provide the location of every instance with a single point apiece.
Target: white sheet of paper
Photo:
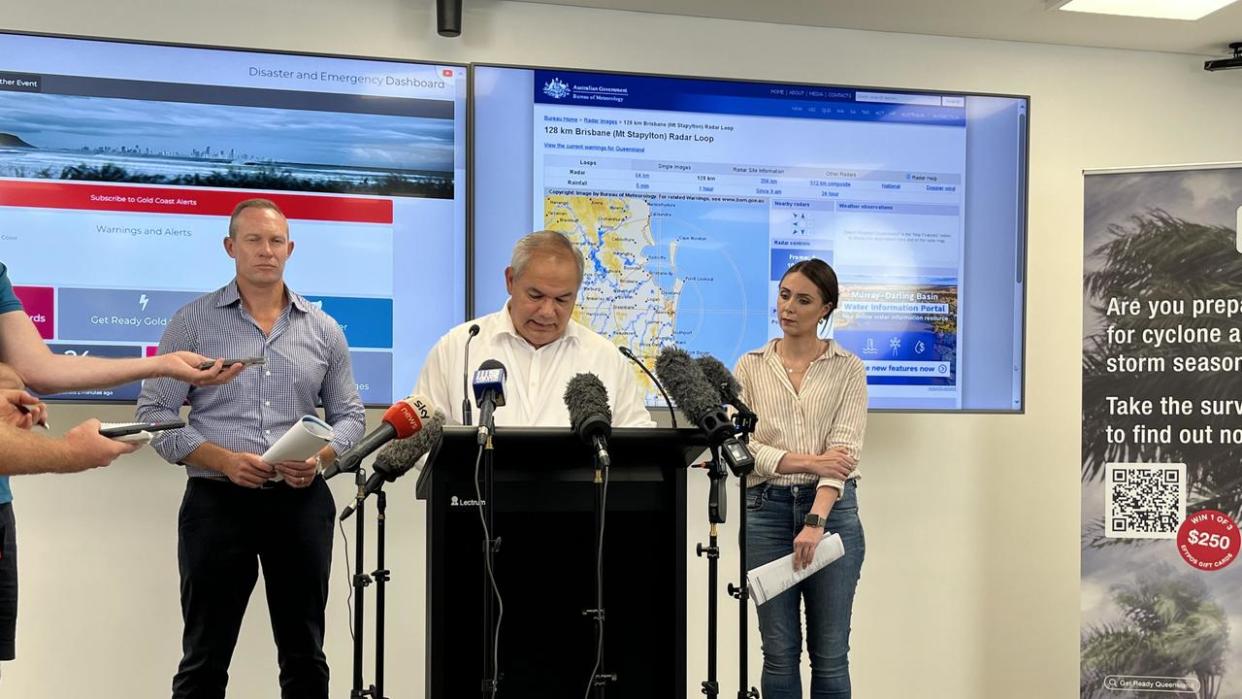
(771, 579)
(301, 442)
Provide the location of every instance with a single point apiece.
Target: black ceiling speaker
(448, 17)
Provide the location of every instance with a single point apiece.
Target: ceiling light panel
(1160, 9)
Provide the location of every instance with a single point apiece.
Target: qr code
(1144, 501)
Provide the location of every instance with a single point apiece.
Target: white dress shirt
(535, 379)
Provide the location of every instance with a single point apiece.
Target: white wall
(970, 589)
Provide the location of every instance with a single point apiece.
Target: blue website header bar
(754, 99)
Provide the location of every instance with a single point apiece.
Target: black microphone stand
(744, 424)
(381, 576)
(466, 419)
(717, 507)
(361, 580)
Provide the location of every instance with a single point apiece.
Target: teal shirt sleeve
(8, 300)
(8, 303)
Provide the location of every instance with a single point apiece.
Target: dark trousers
(224, 533)
(8, 582)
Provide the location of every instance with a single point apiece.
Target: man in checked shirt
(233, 516)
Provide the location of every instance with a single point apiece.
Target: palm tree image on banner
(1162, 435)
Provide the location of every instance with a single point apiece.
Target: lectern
(545, 564)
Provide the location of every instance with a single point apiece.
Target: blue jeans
(774, 517)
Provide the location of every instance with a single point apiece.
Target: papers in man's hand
(301, 442)
(771, 579)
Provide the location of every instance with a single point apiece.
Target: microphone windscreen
(686, 384)
(586, 397)
(401, 454)
(719, 377)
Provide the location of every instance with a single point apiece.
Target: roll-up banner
(1162, 433)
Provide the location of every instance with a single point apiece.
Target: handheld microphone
(701, 404)
(728, 387)
(465, 377)
(667, 403)
(398, 457)
(403, 419)
(489, 394)
(589, 414)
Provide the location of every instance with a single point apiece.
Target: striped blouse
(830, 410)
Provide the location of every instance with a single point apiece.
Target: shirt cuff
(180, 444)
(831, 483)
(767, 459)
(339, 446)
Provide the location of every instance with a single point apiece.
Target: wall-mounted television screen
(120, 163)
(690, 198)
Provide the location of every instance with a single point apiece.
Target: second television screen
(689, 198)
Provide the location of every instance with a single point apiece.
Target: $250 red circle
(1208, 540)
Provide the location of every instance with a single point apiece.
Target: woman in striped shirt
(811, 397)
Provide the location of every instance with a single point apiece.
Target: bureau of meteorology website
(690, 199)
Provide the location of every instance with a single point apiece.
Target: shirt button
(268, 373)
(267, 431)
(268, 403)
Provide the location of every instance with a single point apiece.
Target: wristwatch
(814, 520)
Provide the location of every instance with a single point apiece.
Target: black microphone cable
(599, 585)
(491, 574)
(349, 579)
(590, 418)
(667, 403)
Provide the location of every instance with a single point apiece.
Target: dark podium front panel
(545, 567)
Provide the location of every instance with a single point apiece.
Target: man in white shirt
(535, 337)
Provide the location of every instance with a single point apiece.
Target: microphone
(465, 377)
(403, 419)
(667, 403)
(728, 387)
(701, 404)
(398, 457)
(489, 394)
(589, 414)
